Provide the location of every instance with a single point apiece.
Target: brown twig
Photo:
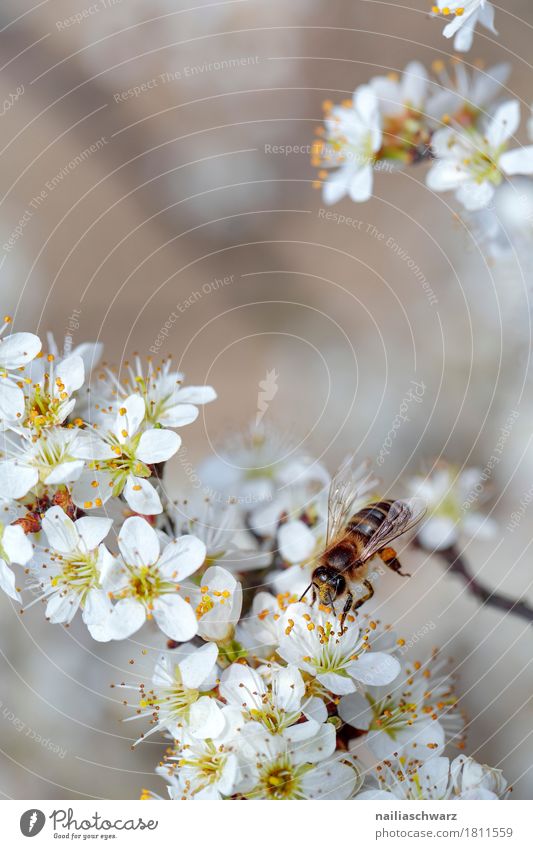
(457, 566)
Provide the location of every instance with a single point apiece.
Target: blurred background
(157, 196)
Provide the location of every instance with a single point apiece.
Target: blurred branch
(458, 566)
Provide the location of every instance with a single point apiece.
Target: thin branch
(458, 566)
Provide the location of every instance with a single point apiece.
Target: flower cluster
(455, 122)
(74, 452)
(260, 691)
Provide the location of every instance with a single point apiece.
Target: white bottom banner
(152, 823)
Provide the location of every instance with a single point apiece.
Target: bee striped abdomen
(367, 521)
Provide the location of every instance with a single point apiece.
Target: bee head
(330, 583)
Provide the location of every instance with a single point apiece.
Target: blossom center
(79, 572)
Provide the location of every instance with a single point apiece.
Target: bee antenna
(331, 603)
(306, 591)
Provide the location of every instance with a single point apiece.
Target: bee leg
(370, 593)
(346, 609)
(388, 555)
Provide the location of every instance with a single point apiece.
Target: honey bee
(352, 540)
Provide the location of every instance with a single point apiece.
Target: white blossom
(16, 351)
(204, 769)
(339, 659)
(353, 137)
(474, 164)
(71, 569)
(277, 702)
(181, 699)
(275, 768)
(414, 717)
(217, 603)
(466, 14)
(146, 583)
(398, 93)
(167, 401)
(49, 390)
(120, 458)
(464, 96)
(434, 779)
(49, 459)
(452, 497)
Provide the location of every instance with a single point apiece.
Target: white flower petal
(296, 541)
(504, 124)
(198, 665)
(113, 573)
(129, 418)
(179, 415)
(61, 608)
(360, 188)
(16, 544)
(475, 196)
(8, 581)
(11, 400)
(97, 615)
(18, 349)
(65, 473)
(138, 542)
(89, 446)
(382, 795)
(205, 718)
(16, 480)
(127, 616)
(445, 175)
(437, 533)
(195, 395)
(518, 161)
(366, 104)
(242, 686)
(314, 708)
(182, 557)
(486, 17)
(60, 530)
(158, 445)
(338, 184)
(71, 372)
(289, 688)
(355, 710)
(142, 497)
(317, 748)
(374, 668)
(93, 530)
(175, 617)
(86, 495)
(91, 354)
(340, 685)
(331, 780)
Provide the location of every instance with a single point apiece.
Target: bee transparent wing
(350, 484)
(403, 515)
